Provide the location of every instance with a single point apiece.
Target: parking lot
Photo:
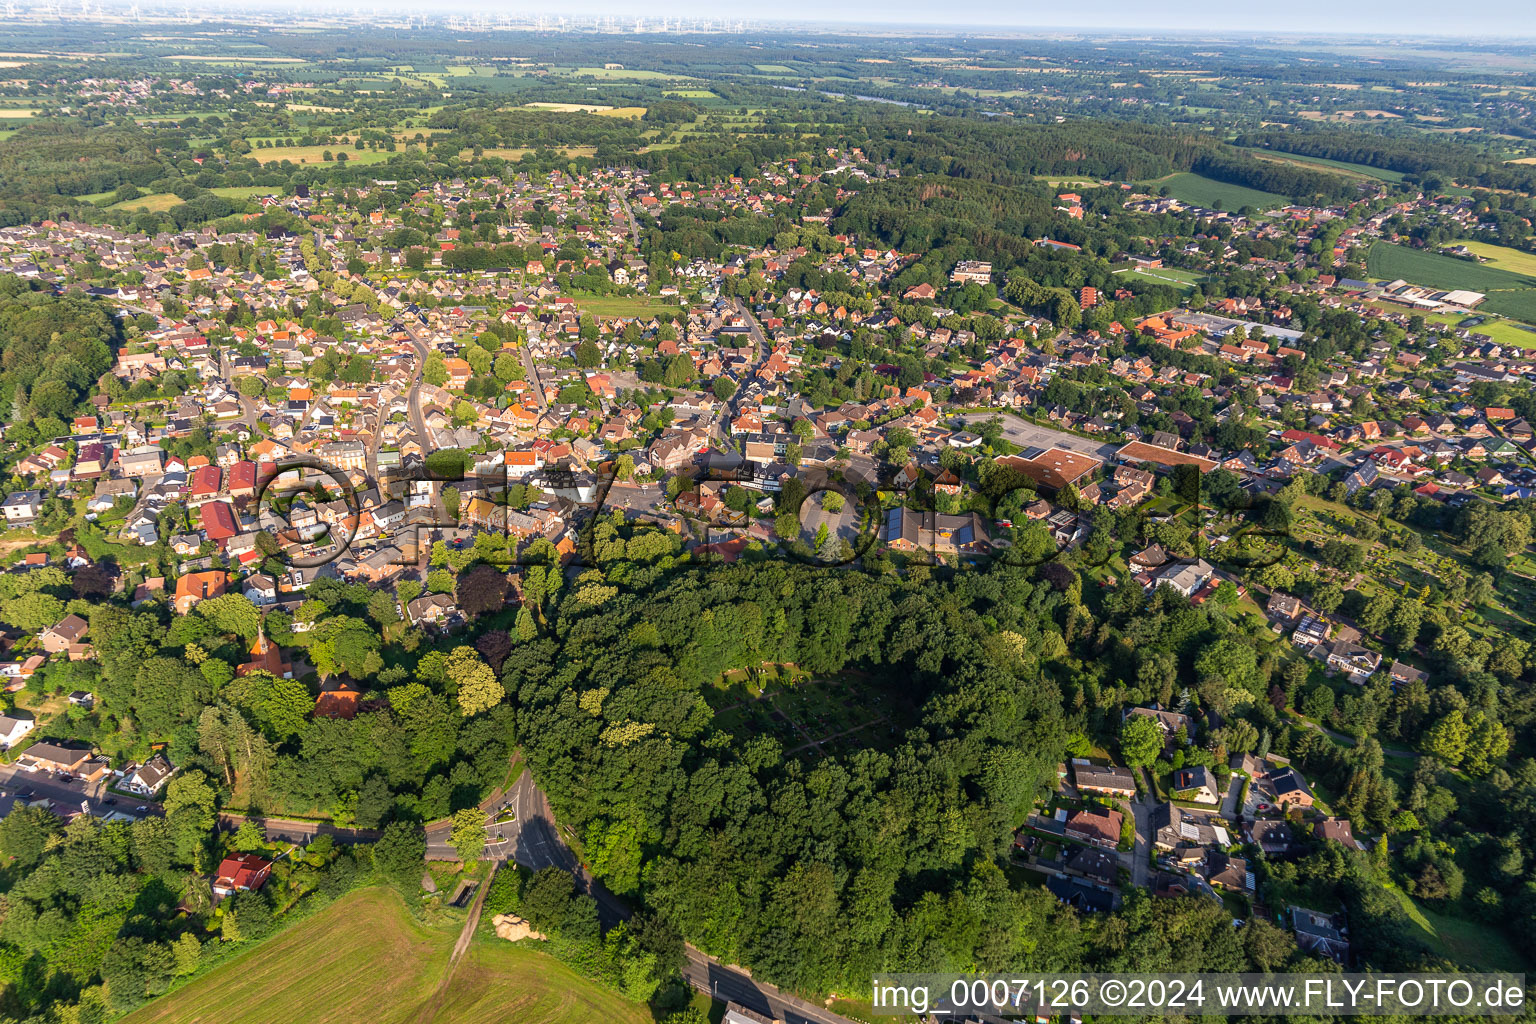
(67, 792)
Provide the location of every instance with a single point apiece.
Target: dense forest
(818, 869)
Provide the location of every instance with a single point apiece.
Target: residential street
(1141, 853)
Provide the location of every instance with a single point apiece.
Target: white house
(13, 727)
(148, 778)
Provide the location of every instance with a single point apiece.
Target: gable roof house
(63, 634)
(241, 873)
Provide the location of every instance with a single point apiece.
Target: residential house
(1099, 826)
(241, 873)
(1287, 787)
(14, 727)
(1110, 781)
(147, 779)
(63, 634)
(1320, 934)
(1196, 783)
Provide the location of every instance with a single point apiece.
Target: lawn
(624, 305)
(1469, 943)
(1387, 261)
(156, 202)
(294, 976)
(505, 981)
(1202, 191)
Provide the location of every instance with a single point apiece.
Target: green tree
(467, 834)
(478, 688)
(400, 857)
(1141, 740)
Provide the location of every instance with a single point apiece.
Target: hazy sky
(1494, 20)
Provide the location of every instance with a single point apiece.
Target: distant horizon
(1494, 22)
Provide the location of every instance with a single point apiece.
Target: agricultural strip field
(1199, 190)
(1321, 163)
(316, 154)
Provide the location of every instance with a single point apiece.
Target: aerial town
(527, 538)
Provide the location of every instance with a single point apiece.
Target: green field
(1202, 191)
(1171, 277)
(1388, 262)
(1472, 944)
(624, 305)
(363, 959)
(1519, 304)
(1502, 257)
(245, 191)
(1353, 170)
(504, 981)
(301, 973)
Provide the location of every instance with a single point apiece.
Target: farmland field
(504, 981)
(316, 154)
(1502, 257)
(1519, 304)
(1388, 262)
(294, 976)
(1353, 170)
(1189, 187)
(157, 202)
(245, 191)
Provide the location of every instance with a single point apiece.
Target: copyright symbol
(1112, 992)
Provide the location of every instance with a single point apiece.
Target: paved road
(536, 843)
(634, 227)
(1031, 435)
(533, 376)
(291, 830)
(1141, 852)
